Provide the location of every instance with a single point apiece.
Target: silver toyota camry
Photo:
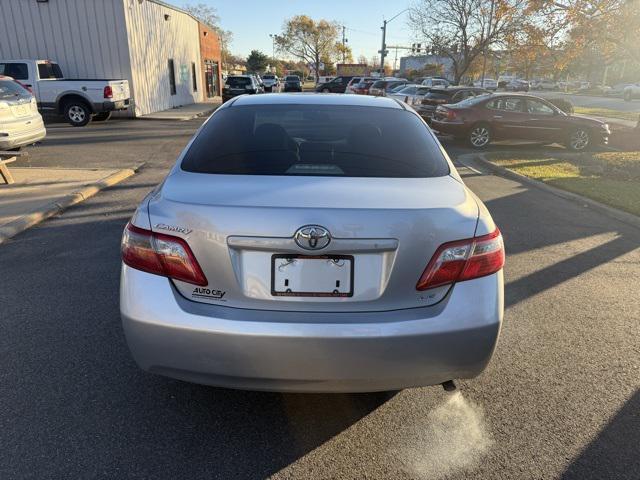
(312, 243)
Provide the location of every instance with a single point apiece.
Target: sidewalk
(39, 193)
(186, 112)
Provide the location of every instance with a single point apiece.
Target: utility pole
(484, 61)
(344, 48)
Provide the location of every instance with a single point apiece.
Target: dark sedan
(441, 96)
(480, 120)
(292, 83)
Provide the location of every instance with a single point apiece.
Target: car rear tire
(102, 117)
(479, 135)
(77, 113)
(579, 140)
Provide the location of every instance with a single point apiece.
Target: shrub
(565, 105)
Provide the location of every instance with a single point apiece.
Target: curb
(180, 118)
(628, 218)
(22, 223)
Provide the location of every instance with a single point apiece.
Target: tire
(102, 117)
(579, 140)
(627, 96)
(326, 90)
(479, 136)
(77, 113)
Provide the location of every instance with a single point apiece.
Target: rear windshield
(10, 89)
(268, 77)
(235, 82)
(292, 79)
(379, 84)
(316, 140)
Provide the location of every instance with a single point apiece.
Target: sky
(251, 22)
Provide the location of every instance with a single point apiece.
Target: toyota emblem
(312, 237)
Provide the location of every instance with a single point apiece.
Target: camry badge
(312, 237)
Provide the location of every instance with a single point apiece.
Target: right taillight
(464, 260)
(160, 254)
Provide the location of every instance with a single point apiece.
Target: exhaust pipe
(449, 386)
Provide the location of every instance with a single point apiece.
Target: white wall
(86, 37)
(152, 42)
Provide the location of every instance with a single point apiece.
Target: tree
(463, 30)
(308, 40)
(344, 53)
(257, 61)
(209, 16)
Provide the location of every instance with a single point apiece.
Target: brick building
(211, 58)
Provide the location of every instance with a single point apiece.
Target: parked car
(488, 83)
(362, 87)
(259, 82)
(517, 85)
(504, 80)
(544, 85)
(409, 93)
(351, 86)
(292, 83)
(20, 122)
(240, 85)
(325, 79)
(79, 101)
(480, 120)
(336, 85)
(313, 256)
(631, 92)
(428, 103)
(379, 88)
(436, 82)
(270, 81)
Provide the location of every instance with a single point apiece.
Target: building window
(172, 77)
(193, 76)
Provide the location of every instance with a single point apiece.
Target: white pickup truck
(79, 101)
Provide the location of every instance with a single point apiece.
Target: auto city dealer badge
(312, 237)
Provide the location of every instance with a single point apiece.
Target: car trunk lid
(383, 233)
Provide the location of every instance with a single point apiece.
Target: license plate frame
(280, 293)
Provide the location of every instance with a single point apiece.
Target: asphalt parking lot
(561, 398)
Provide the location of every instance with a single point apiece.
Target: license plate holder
(312, 275)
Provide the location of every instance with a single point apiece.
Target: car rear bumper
(308, 351)
(449, 128)
(111, 106)
(20, 138)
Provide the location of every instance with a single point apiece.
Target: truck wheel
(77, 113)
(102, 117)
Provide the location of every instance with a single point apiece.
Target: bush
(565, 105)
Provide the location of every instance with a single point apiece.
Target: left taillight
(160, 254)
(464, 260)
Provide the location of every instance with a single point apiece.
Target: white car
(488, 83)
(631, 92)
(20, 122)
(79, 101)
(410, 94)
(545, 85)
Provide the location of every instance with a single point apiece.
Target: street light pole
(484, 61)
(383, 50)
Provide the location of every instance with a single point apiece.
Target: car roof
(315, 99)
